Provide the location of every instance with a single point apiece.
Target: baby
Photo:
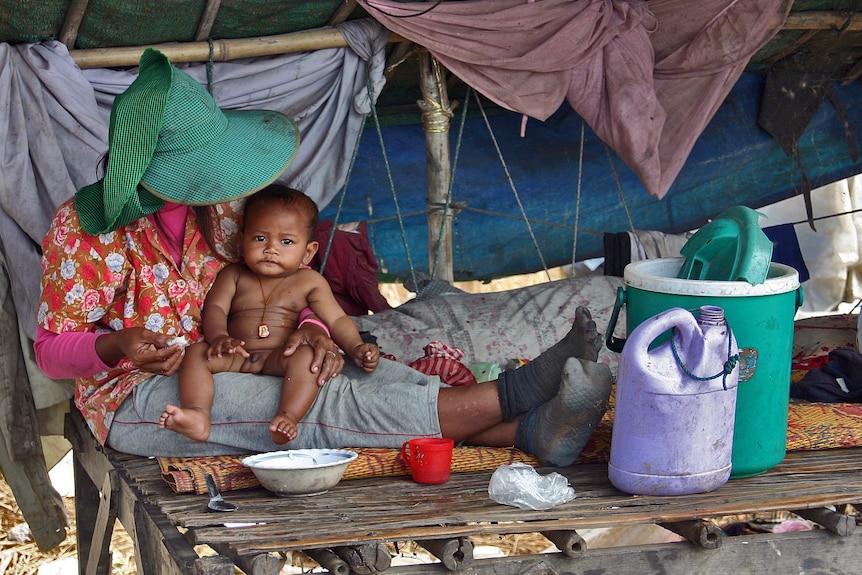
(254, 306)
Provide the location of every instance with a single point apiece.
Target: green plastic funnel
(732, 247)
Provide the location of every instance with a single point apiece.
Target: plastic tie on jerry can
(675, 405)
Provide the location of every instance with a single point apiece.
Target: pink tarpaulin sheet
(646, 77)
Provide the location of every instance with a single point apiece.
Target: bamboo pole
(436, 114)
(223, 50)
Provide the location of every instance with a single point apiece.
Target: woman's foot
(191, 422)
(557, 431)
(538, 381)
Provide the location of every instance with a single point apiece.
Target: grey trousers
(355, 409)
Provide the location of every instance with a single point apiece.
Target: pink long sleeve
(67, 355)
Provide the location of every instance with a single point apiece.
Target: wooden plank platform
(165, 525)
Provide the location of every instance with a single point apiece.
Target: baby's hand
(366, 356)
(224, 344)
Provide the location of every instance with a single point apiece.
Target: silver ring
(333, 353)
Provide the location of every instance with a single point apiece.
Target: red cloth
(445, 362)
(351, 268)
(806, 363)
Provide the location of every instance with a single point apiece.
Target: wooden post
(329, 561)
(207, 20)
(74, 16)
(455, 554)
(699, 531)
(436, 114)
(366, 558)
(837, 523)
(568, 542)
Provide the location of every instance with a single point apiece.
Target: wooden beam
(455, 554)
(816, 20)
(568, 542)
(345, 9)
(703, 533)
(207, 20)
(329, 561)
(837, 523)
(74, 17)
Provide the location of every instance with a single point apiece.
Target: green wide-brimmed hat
(169, 141)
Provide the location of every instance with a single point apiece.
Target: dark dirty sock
(538, 381)
(557, 431)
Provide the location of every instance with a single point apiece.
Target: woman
(127, 263)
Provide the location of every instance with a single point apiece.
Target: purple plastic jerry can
(675, 405)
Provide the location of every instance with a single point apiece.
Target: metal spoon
(217, 502)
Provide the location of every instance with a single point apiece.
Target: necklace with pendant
(263, 329)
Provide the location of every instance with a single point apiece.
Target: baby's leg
(192, 417)
(298, 390)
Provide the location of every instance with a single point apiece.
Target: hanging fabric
(644, 75)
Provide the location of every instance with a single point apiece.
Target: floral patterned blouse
(127, 278)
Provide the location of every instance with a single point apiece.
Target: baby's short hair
(279, 195)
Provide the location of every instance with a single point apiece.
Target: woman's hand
(148, 350)
(327, 362)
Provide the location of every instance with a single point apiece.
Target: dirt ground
(24, 558)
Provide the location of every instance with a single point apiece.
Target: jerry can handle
(614, 343)
(800, 297)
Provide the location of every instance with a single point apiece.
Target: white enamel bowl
(300, 471)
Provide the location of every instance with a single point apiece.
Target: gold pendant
(263, 330)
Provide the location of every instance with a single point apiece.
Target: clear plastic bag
(520, 485)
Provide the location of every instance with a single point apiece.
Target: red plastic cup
(429, 459)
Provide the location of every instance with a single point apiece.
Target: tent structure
(727, 103)
(580, 118)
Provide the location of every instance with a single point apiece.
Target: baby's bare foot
(193, 423)
(283, 428)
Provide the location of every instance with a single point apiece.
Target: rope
(343, 193)
(210, 67)
(514, 190)
(726, 370)
(619, 188)
(435, 115)
(392, 188)
(578, 199)
(437, 3)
